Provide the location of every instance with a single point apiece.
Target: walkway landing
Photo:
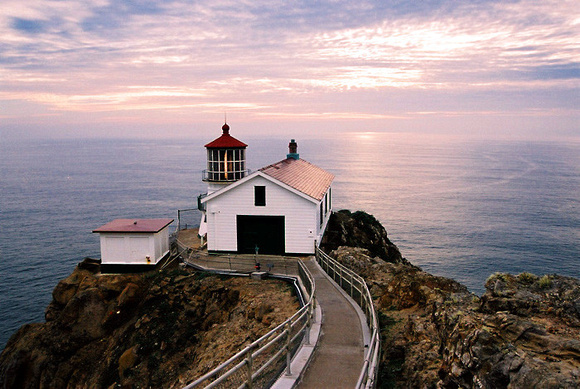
(339, 357)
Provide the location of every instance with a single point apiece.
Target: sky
(132, 68)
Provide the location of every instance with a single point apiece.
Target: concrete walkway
(339, 357)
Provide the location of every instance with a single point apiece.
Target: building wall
(301, 217)
(161, 244)
(323, 211)
(127, 248)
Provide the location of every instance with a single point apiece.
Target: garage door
(265, 232)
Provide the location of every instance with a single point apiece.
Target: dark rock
(90, 264)
(359, 229)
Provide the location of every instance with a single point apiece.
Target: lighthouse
(226, 164)
(280, 209)
(226, 161)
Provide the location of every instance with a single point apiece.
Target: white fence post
(288, 357)
(249, 363)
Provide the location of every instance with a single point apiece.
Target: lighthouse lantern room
(226, 161)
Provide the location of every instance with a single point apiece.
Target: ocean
(455, 207)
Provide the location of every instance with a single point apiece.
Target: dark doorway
(266, 232)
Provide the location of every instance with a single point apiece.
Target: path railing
(262, 361)
(356, 287)
(244, 263)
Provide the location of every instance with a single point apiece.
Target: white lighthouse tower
(226, 163)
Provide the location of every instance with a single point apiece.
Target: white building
(138, 244)
(282, 208)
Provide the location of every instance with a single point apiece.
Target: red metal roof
(135, 225)
(226, 141)
(301, 175)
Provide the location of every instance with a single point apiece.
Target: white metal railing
(356, 287)
(244, 263)
(262, 361)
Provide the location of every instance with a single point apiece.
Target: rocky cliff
(524, 332)
(165, 328)
(159, 329)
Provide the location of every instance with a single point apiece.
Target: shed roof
(301, 175)
(135, 225)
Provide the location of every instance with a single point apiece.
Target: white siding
(112, 248)
(300, 216)
(322, 218)
(131, 248)
(140, 247)
(161, 244)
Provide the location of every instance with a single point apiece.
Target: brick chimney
(292, 150)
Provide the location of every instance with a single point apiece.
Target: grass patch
(497, 276)
(527, 278)
(545, 282)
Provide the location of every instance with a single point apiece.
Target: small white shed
(133, 244)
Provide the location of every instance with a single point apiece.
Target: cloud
(375, 60)
(29, 26)
(115, 14)
(557, 72)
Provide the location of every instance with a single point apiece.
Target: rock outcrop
(159, 329)
(524, 332)
(359, 229)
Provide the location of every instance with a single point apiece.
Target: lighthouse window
(259, 196)
(226, 164)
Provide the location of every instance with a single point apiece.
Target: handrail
(257, 361)
(244, 263)
(357, 288)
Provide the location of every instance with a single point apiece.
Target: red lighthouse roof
(226, 141)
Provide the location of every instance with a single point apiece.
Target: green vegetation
(498, 276)
(527, 278)
(545, 282)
